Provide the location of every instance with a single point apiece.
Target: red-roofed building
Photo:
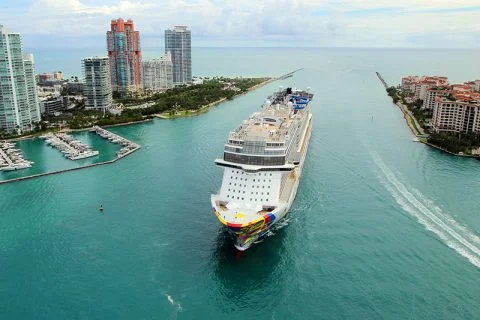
(458, 112)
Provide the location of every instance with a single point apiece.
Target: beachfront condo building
(19, 105)
(125, 56)
(178, 43)
(459, 113)
(157, 74)
(97, 90)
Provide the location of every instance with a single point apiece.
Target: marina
(11, 158)
(127, 145)
(71, 148)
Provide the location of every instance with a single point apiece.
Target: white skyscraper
(19, 106)
(157, 74)
(178, 43)
(97, 89)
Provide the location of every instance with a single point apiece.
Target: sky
(46, 24)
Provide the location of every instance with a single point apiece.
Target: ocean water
(382, 227)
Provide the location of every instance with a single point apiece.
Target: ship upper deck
(274, 121)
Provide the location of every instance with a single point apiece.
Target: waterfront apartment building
(125, 56)
(178, 43)
(157, 74)
(53, 105)
(417, 86)
(19, 106)
(97, 90)
(460, 112)
(432, 93)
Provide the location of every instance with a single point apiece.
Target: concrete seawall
(68, 170)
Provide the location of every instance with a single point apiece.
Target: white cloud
(311, 22)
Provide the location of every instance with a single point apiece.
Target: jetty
(11, 158)
(127, 145)
(382, 80)
(412, 122)
(288, 75)
(71, 148)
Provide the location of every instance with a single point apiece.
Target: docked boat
(262, 161)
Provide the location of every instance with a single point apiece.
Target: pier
(129, 148)
(11, 158)
(71, 148)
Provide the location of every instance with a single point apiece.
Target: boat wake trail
(172, 302)
(456, 236)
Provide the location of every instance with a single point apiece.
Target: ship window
(256, 192)
(263, 187)
(243, 191)
(255, 199)
(238, 198)
(228, 196)
(268, 193)
(268, 187)
(253, 180)
(228, 189)
(230, 183)
(270, 174)
(242, 198)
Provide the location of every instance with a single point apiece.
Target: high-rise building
(125, 56)
(178, 43)
(157, 74)
(97, 90)
(19, 106)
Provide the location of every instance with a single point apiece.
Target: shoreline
(206, 108)
(417, 130)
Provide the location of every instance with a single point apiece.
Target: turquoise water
(382, 227)
(48, 159)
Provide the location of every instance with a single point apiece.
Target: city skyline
(337, 23)
(19, 105)
(124, 55)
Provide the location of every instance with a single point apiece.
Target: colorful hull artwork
(247, 233)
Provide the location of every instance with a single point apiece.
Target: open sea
(382, 227)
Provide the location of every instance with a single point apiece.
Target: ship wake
(462, 240)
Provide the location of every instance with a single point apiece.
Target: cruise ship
(262, 162)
